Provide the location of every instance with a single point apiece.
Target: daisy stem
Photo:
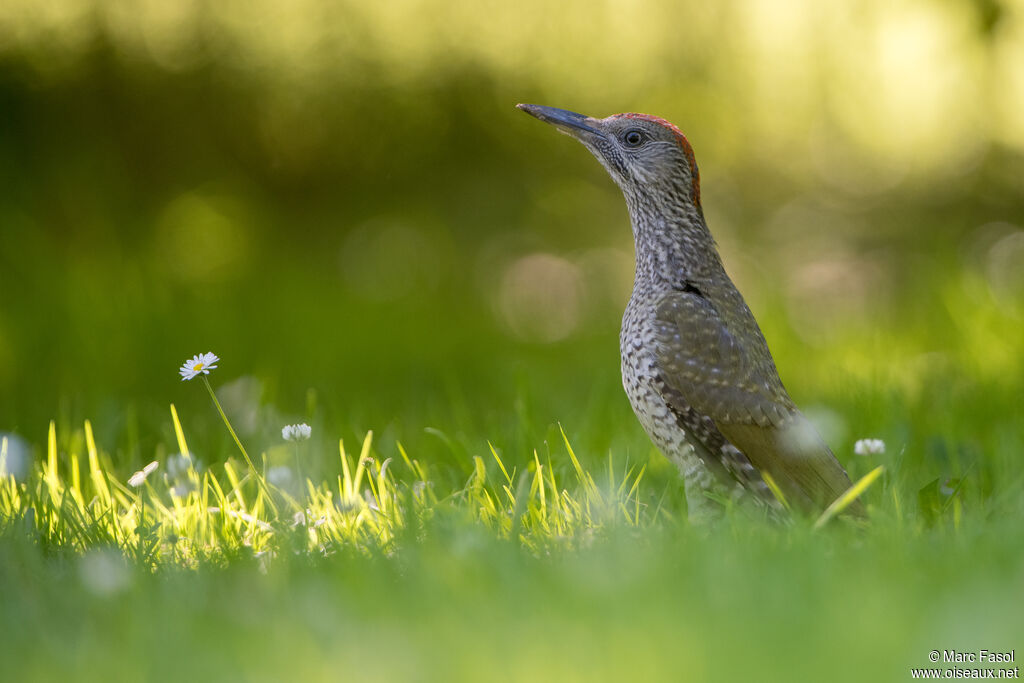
(238, 442)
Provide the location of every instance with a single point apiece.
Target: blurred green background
(340, 200)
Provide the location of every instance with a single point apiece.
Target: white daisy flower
(136, 480)
(299, 432)
(869, 447)
(201, 364)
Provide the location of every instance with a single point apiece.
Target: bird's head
(643, 153)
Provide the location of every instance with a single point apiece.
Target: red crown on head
(683, 142)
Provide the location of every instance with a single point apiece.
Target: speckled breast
(642, 385)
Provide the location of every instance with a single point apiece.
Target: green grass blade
(841, 503)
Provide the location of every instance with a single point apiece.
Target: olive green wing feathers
(721, 366)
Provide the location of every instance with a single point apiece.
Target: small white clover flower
(299, 432)
(183, 489)
(178, 474)
(179, 464)
(104, 572)
(869, 447)
(280, 476)
(137, 479)
(307, 516)
(201, 364)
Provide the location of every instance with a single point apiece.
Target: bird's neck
(672, 240)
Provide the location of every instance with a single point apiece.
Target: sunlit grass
(193, 517)
(172, 513)
(578, 557)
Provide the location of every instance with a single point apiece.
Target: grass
(186, 518)
(563, 567)
(470, 538)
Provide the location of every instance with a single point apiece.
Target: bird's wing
(706, 364)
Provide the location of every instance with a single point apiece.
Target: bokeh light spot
(387, 259)
(541, 297)
(200, 240)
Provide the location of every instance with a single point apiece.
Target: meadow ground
(500, 552)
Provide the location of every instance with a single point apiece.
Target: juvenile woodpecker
(695, 366)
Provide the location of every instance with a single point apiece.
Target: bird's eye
(633, 138)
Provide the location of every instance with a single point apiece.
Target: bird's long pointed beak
(566, 121)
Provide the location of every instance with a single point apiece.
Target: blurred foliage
(339, 199)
